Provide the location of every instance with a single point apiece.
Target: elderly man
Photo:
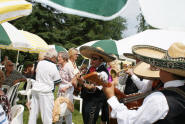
(161, 107)
(42, 101)
(93, 96)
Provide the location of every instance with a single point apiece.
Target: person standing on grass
(66, 86)
(42, 96)
(94, 99)
(166, 106)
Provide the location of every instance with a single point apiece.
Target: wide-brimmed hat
(145, 71)
(88, 51)
(171, 60)
(129, 55)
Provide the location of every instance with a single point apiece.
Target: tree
(143, 25)
(68, 30)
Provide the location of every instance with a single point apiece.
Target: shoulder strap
(177, 90)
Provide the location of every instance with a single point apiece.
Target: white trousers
(41, 102)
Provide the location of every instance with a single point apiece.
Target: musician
(141, 81)
(146, 80)
(162, 107)
(93, 96)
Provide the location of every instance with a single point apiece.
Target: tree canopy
(64, 29)
(68, 30)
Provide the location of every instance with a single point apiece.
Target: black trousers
(92, 106)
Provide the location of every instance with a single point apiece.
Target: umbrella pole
(0, 55)
(17, 59)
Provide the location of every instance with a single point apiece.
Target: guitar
(132, 101)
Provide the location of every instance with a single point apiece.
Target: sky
(130, 14)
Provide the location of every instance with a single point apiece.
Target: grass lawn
(77, 116)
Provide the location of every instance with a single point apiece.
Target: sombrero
(129, 55)
(88, 51)
(144, 70)
(171, 60)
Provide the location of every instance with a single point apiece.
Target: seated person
(4, 60)
(12, 76)
(28, 71)
(2, 77)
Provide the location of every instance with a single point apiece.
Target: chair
(20, 68)
(17, 114)
(27, 91)
(12, 93)
(79, 99)
(5, 88)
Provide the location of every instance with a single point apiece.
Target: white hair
(51, 53)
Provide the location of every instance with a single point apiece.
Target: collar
(49, 61)
(174, 83)
(103, 63)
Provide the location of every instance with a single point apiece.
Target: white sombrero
(171, 60)
(145, 71)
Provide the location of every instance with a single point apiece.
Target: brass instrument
(116, 73)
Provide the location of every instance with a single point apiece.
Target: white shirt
(154, 108)
(46, 74)
(144, 85)
(3, 117)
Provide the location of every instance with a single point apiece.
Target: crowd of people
(158, 80)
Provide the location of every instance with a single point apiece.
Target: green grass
(76, 117)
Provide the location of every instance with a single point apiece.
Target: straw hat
(88, 51)
(145, 71)
(129, 55)
(171, 60)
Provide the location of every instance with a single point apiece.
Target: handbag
(64, 110)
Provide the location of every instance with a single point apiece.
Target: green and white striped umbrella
(58, 48)
(97, 9)
(12, 38)
(109, 46)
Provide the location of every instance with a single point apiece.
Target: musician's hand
(103, 76)
(130, 71)
(79, 78)
(109, 91)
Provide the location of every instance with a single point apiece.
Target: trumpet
(116, 73)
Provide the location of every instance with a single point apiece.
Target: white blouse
(154, 108)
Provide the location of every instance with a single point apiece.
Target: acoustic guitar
(132, 101)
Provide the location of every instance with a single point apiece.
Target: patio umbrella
(109, 46)
(58, 48)
(98, 9)
(12, 9)
(12, 38)
(164, 14)
(159, 38)
(37, 43)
